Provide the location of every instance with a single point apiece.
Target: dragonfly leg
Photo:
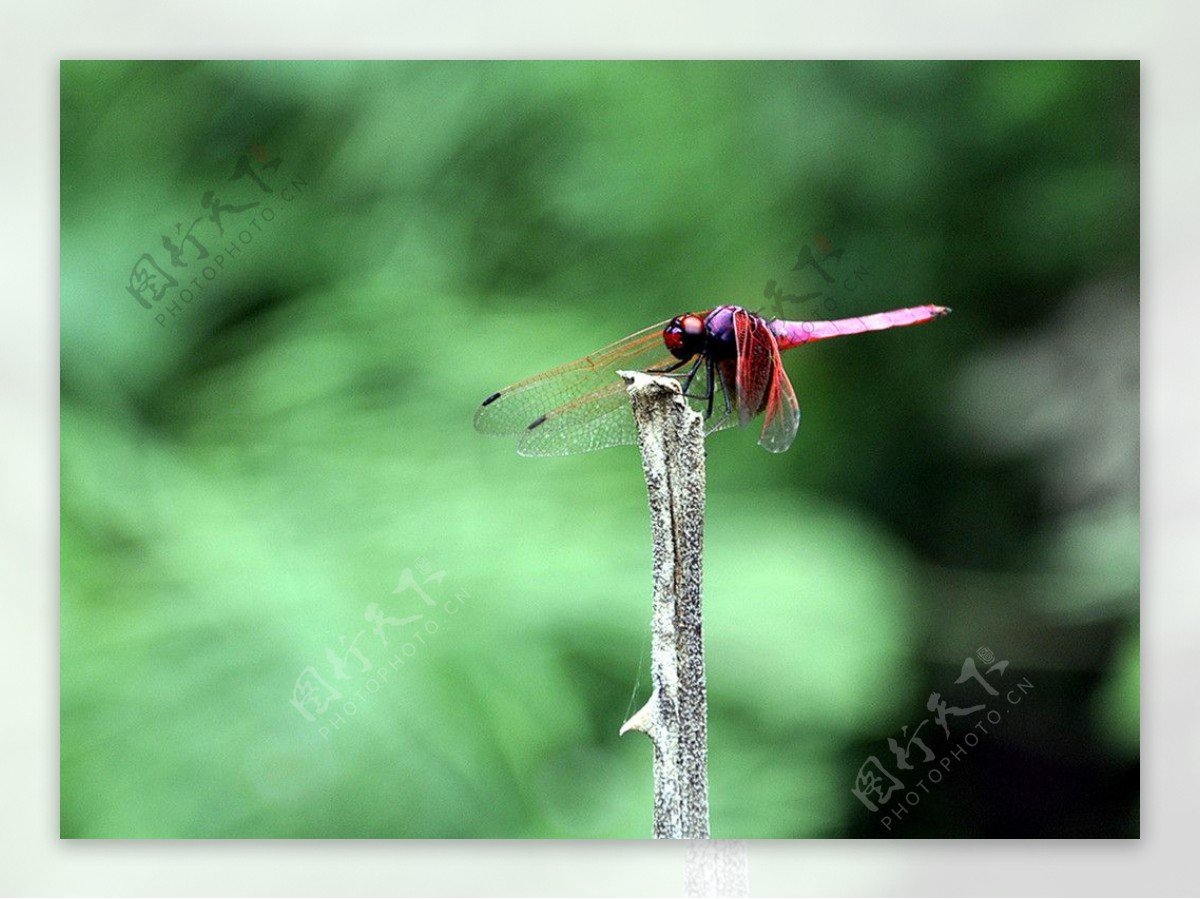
(725, 392)
(668, 369)
(711, 391)
(707, 395)
(691, 375)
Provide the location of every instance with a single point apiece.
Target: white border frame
(33, 861)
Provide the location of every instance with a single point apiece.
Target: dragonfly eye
(684, 336)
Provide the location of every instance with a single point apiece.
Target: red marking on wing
(762, 383)
(782, 418)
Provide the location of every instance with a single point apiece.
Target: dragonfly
(726, 358)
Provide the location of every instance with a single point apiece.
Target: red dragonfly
(734, 353)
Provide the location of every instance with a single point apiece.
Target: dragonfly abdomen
(794, 333)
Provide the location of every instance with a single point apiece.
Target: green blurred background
(247, 476)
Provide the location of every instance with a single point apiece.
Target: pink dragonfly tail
(791, 334)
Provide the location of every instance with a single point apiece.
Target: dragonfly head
(685, 335)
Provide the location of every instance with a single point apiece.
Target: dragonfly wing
(782, 416)
(583, 405)
(763, 385)
(756, 360)
(512, 410)
(597, 420)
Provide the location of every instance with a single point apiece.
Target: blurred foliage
(246, 480)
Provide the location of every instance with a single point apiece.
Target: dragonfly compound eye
(684, 336)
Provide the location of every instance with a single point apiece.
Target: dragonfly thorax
(710, 334)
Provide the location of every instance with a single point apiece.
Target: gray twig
(671, 438)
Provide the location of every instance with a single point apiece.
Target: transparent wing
(516, 407)
(583, 406)
(594, 421)
(600, 419)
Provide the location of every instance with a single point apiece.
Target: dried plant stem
(671, 438)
